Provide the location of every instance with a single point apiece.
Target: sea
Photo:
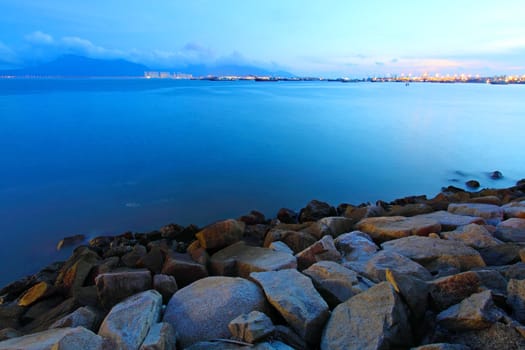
(102, 156)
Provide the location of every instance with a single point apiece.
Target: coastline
(364, 248)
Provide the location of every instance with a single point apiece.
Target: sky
(305, 37)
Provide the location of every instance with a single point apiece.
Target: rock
(472, 184)
(128, 322)
(358, 213)
(75, 272)
(336, 283)
(43, 314)
(279, 246)
(486, 200)
(203, 310)
(450, 290)
(511, 230)
(70, 241)
(9, 333)
(435, 254)
(254, 234)
(492, 214)
(221, 234)
(241, 259)
(375, 319)
(473, 235)
(252, 327)
(38, 292)
(415, 292)
(475, 312)
(496, 175)
(516, 298)
(10, 314)
(355, 246)
(409, 209)
(287, 335)
(253, 218)
(515, 210)
(296, 240)
(153, 260)
(165, 285)
(497, 336)
(130, 259)
(198, 253)
(287, 216)
(522, 254)
(293, 295)
(114, 287)
(501, 254)
(383, 229)
(324, 249)
(183, 268)
(316, 210)
(337, 224)
(377, 266)
(227, 344)
(442, 346)
(161, 336)
(171, 231)
(85, 316)
(59, 338)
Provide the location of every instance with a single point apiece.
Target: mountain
(79, 66)
(199, 70)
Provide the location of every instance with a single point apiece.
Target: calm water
(102, 156)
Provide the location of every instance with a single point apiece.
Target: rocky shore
(416, 273)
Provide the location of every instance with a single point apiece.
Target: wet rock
(475, 312)
(293, 295)
(296, 240)
(161, 336)
(450, 221)
(165, 285)
(355, 246)
(336, 283)
(70, 241)
(377, 266)
(128, 322)
(435, 254)
(492, 214)
(472, 184)
(383, 229)
(409, 209)
(221, 234)
(511, 230)
(415, 292)
(203, 310)
(254, 234)
(183, 268)
(252, 327)
(361, 212)
(114, 287)
(324, 249)
(241, 259)
(516, 298)
(514, 210)
(337, 224)
(287, 216)
(38, 292)
(316, 210)
(496, 175)
(59, 338)
(375, 319)
(473, 235)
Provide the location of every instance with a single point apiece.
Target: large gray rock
(113, 287)
(376, 267)
(355, 246)
(450, 221)
(252, 327)
(221, 234)
(241, 259)
(86, 316)
(56, 339)
(335, 282)
(337, 224)
(473, 235)
(436, 254)
(491, 213)
(511, 230)
(414, 291)
(203, 310)
(295, 298)
(383, 228)
(323, 249)
(516, 298)
(514, 210)
(161, 336)
(128, 322)
(375, 319)
(475, 312)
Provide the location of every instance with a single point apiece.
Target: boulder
(486, 200)
(86, 316)
(337, 224)
(375, 319)
(76, 270)
(130, 259)
(220, 234)
(279, 246)
(9, 333)
(383, 228)
(252, 327)
(377, 266)
(415, 292)
(203, 310)
(316, 210)
(411, 209)
(161, 336)
(491, 213)
(324, 249)
(153, 260)
(198, 253)
(183, 268)
(501, 254)
(113, 287)
(227, 344)
(355, 246)
(497, 336)
(128, 322)
(514, 210)
(241, 259)
(516, 298)
(165, 285)
(293, 295)
(253, 218)
(43, 314)
(336, 283)
(473, 235)
(38, 292)
(296, 240)
(435, 254)
(10, 314)
(287, 216)
(511, 230)
(472, 184)
(58, 338)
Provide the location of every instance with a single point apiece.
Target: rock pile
(440, 273)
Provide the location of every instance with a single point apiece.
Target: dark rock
(9, 333)
(87, 317)
(472, 184)
(316, 210)
(296, 240)
(114, 287)
(324, 249)
(183, 268)
(161, 336)
(165, 285)
(43, 314)
(450, 221)
(409, 209)
(130, 259)
(58, 338)
(10, 315)
(171, 231)
(287, 216)
(414, 292)
(288, 336)
(75, 272)
(153, 260)
(511, 230)
(472, 235)
(501, 254)
(221, 234)
(496, 175)
(497, 336)
(515, 210)
(450, 290)
(337, 225)
(253, 218)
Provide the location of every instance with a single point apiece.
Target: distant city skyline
(318, 38)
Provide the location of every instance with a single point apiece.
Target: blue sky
(326, 38)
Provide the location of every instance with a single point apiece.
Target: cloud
(82, 46)
(39, 38)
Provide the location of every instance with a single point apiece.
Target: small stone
(472, 184)
(496, 175)
(252, 327)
